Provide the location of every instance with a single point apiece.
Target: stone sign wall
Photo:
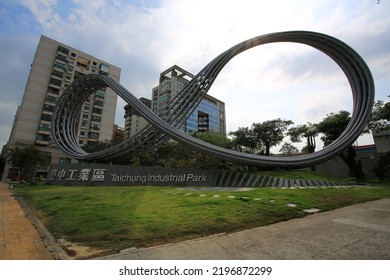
(121, 175)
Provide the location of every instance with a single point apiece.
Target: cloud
(44, 12)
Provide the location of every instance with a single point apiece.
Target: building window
(93, 135)
(95, 127)
(43, 137)
(59, 65)
(83, 124)
(48, 108)
(104, 67)
(53, 90)
(55, 82)
(62, 58)
(52, 99)
(98, 103)
(83, 63)
(63, 49)
(99, 94)
(64, 160)
(46, 117)
(44, 126)
(96, 119)
(97, 111)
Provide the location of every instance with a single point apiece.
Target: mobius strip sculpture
(166, 124)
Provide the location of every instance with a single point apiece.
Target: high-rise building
(55, 66)
(134, 122)
(208, 115)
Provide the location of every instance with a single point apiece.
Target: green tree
(380, 117)
(92, 147)
(382, 170)
(270, 133)
(27, 159)
(307, 131)
(176, 155)
(213, 137)
(243, 140)
(288, 149)
(331, 127)
(204, 161)
(173, 155)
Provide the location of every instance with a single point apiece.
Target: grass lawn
(115, 218)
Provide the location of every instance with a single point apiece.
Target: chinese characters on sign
(84, 175)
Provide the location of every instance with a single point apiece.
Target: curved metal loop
(166, 124)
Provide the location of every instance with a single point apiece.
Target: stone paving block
(311, 211)
(20, 239)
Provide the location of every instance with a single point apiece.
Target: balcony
(44, 131)
(61, 57)
(42, 142)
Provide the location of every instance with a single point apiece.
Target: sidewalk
(357, 232)
(19, 239)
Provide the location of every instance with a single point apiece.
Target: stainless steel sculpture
(166, 124)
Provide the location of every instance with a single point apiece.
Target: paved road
(355, 232)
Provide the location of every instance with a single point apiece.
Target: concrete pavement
(358, 232)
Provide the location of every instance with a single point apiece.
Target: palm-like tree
(27, 159)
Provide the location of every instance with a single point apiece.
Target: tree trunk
(311, 147)
(355, 166)
(267, 148)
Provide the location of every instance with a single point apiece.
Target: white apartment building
(54, 67)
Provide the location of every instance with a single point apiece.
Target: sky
(144, 38)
